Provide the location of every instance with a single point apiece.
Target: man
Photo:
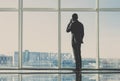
(77, 30)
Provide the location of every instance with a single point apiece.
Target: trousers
(77, 54)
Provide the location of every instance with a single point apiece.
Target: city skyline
(46, 59)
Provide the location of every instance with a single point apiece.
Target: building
(37, 59)
(6, 60)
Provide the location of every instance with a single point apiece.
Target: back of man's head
(74, 16)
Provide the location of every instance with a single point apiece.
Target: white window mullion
(20, 21)
(59, 34)
(98, 52)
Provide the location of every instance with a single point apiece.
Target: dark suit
(77, 30)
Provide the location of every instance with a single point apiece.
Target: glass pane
(8, 77)
(40, 77)
(78, 3)
(109, 3)
(80, 77)
(40, 39)
(8, 3)
(8, 39)
(109, 77)
(90, 77)
(68, 77)
(40, 3)
(109, 39)
(89, 48)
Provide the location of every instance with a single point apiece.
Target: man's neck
(75, 21)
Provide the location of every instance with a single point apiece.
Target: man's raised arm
(69, 26)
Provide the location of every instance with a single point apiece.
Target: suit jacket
(77, 30)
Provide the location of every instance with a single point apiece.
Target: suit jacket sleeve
(82, 31)
(69, 27)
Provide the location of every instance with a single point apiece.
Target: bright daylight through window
(33, 34)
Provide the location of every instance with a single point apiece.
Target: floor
(60, 75)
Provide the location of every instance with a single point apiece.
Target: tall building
(6, 60)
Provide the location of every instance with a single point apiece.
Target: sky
(8, 32)
(40, 29)
(109, 34)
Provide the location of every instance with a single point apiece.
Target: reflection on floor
(61, 77)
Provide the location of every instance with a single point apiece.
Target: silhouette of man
(77, 30)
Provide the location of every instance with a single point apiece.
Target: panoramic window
(34, 44)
